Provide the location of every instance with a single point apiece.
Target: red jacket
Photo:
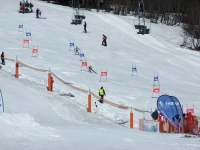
(190, 118)
(52, 81)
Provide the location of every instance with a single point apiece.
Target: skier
(26, 5)
(102, 93)
(104, 43)
(31, 6)
(76, 50)
(154, 115)
(90, 69)
(85, 25)
(2, 58)
(37, 13)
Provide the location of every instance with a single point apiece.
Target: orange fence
(66, 83)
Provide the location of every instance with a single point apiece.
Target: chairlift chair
(141, 21)
(77, 16)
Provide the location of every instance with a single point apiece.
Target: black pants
(3, 62)
(101, 100)
(104, 43)
(85, 29)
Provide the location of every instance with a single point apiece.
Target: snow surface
(37, 119)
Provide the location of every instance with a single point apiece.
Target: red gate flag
(103, 73)
(26, 41)
(156, 90)
(190, 110)
(35, 51)
(84, 63)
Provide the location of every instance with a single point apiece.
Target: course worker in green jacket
(102, 93)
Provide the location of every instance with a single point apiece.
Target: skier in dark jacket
(154, 115)
(31, 6)
(37, 13)
(102, 93)
(2, 58)
(85, 25)
(90, 69)
(104, 43)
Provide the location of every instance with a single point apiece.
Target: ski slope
(37, 119)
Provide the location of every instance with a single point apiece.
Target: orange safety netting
(68, 84)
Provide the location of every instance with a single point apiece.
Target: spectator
(154, 115)
(2, 58)
(166, 125)
(52, 81)
(190, 118)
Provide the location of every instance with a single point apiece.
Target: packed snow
(35, 118)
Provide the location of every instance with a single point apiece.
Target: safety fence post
(17, 69)
(49, 82)
(89, 102)
(131, 119)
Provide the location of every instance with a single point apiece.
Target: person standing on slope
(154, 115)
(52, 81)
(85, 25)
(2, 58)
(37, 12)
(102, 93)
(104, 43)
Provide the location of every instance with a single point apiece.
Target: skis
(85, 32)
(40, 18)
(191, 136)
(69, 94)
(91, 70)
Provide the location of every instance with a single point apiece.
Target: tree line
(184, 13)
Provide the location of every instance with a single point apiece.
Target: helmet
(102, 87)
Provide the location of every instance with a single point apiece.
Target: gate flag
(1, 102)
(171, 109)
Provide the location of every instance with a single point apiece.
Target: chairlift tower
(77, 16)
(141, 20)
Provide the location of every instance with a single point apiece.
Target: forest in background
(184, 13)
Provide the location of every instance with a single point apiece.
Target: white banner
(151, 126)
(1, 103)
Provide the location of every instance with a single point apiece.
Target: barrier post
(49, 82)
(17, 69)
(131, 119)
(161, 126)
(89, 103)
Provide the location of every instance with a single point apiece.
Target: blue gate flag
(155, 78)
(28, 33)
(134, 69)
(71, 44)
(82, 55)
(20, 26)
(170, 108)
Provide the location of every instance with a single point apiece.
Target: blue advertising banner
(171, 109)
